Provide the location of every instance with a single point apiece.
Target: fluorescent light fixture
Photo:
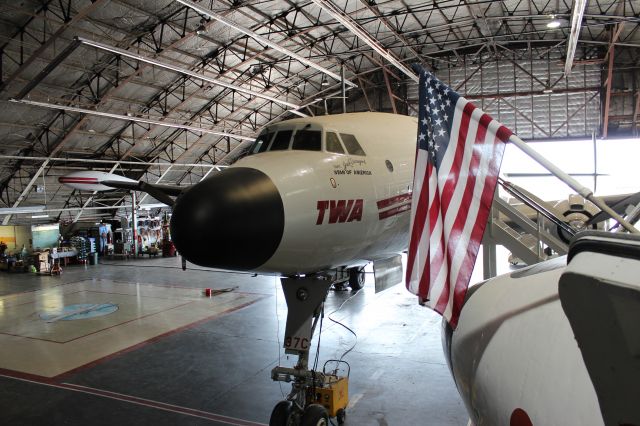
(576, 26)
(179, 70)
(39, 216)
(548, 90)
(363, 35)
(260, 39)
(21, 210)
(136, 119)
(555, 23)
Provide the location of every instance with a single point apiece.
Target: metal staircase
(526, 236)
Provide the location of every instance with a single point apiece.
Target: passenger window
(281, 141)
(351, 144)
(333, 143)
(261, 143)
(307, 140)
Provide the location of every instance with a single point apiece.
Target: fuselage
(514, 356)
(313, 194)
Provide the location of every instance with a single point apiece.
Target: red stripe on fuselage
(387, 202)
(394, 211)
(77, 180)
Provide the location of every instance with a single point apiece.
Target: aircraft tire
(315, 415)
(281, 414)
(356, 278)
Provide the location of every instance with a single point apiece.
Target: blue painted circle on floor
(79, 311)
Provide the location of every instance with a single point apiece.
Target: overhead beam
(192, 74)
(128, 118)
(48, 69)
(636, 110)
(363, 35)
(91, 160)
(389, 91)
(78, 17)
(574, 35)
(26, 190)
(262, 40)
(607, 100)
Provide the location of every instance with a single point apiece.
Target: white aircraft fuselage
(305, 207)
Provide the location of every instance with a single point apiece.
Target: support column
(134, 223)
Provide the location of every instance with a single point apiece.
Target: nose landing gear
(315, 396)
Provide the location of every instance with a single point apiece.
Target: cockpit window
(307, 140)
(352, 145)
(333, 143)
(281, 141)
(261, 144)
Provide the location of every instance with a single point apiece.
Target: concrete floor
(210, 369)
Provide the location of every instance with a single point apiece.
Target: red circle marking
(519, 417)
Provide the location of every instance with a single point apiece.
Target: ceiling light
(324, 82)
(553, 24)
(18, 210)
(39, 216)
(548, 90)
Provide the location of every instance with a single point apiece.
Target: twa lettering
(340, 211)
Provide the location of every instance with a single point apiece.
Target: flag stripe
(457, 236)
(457, 163)
(467, 216)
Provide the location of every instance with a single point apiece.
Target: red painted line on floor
(25, 376)
(150, 340)
(33, 301)
(40, 339)
(100, 330)
(196, 293)
(128, 321)
(176, 286)
(6, 296)
(140, 401)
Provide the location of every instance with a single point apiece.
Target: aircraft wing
(600, 295)
(159, 192)
(100, 181)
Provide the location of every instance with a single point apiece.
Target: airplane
(314, 201)
(317, 198)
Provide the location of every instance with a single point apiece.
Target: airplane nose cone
(232, 220)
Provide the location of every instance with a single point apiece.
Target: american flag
(457, 163)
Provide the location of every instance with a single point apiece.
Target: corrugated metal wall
(512, 91)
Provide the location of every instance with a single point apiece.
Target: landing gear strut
(315, 396)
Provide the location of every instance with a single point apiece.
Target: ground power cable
(355, 335)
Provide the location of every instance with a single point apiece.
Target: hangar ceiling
(164, 90)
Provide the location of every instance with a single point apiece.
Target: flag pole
(574, 184)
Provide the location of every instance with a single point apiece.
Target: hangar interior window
(307, 140)
(281, 141)
(352, 145)
(333, 143)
